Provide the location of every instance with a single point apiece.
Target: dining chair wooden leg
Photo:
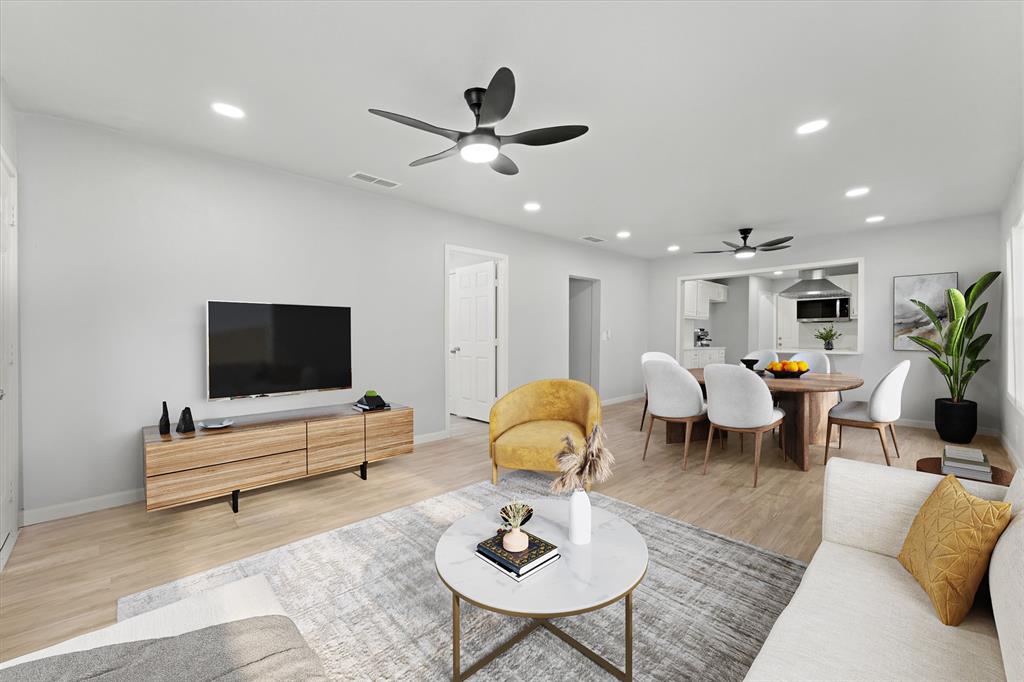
(828, 438)
(892, 431)
(686, 443)
(757, 454)
(644, 415)
(650, 427)
(707, 451)
(885, 446)
(721, 439)
(840, 436)
(741, 442)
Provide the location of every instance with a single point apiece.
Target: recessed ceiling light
(673, 248)
(622, 234)
(229, 110)
(857, 191)
(777, 272)
(812, 126)
(531, 206)
(874, 219)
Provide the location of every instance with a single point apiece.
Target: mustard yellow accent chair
(529, 422)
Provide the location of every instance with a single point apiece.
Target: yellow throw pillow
(949, 544)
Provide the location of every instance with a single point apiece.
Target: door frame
(8, 545)
(861, 278)
(595, 331)
(502, 317)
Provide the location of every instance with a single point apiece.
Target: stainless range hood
(812, 285)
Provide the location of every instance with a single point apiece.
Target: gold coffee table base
(459, 674)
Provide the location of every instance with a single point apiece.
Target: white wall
(1012, 419)
(124, 240)
(969, 245)
(8, 125)
(729, 322)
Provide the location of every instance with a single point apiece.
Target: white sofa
(245, 598)
(858, 614)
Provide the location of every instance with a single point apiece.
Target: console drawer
(335, 443)
(388, 433)
(181, 452)
(168, 490)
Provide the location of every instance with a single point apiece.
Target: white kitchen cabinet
(690, 359)
(690, 300)
(695, 358)
(698, 295)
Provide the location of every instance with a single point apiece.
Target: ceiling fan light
(745, 252)
(479, 152)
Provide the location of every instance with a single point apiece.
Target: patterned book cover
(516, 560)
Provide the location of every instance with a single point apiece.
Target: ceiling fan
(747, 251)
(490, 106)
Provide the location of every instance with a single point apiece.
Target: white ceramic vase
(579, 518)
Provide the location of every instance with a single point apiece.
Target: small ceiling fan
(490, 106)
(745, 250)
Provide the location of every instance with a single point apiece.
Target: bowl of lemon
(787, 369)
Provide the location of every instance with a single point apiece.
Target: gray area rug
(368, 600)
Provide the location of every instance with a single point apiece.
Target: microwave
(823, 310)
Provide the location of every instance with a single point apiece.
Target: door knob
(454, 350)
(2, 393)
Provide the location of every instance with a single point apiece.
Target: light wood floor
(65, 576)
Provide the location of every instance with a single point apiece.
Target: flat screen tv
(256, 349)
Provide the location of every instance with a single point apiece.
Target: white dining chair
(817, 362)
(651, 355)
(878, 412)
(763, 357)
(739, 401)
(675, 396)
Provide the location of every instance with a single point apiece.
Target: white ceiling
(692, 107)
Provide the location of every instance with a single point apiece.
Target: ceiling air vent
(592, 239)
(374, 180)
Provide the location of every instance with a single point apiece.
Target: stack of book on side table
(517, 565)
(966, 463)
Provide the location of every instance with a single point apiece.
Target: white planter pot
(579, 518)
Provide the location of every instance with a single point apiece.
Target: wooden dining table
(806, 401)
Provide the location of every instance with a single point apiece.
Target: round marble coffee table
(585, 577)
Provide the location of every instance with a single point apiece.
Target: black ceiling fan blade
(773, 248)
(735, 246)
(452, 135)
(543, 136)
(504, 165)
(451, 151)
(498, 99)
(712, 251)
(775, 242)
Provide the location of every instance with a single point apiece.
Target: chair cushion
(858, 615)
(949, 544)
(854, 410)
(533, 445)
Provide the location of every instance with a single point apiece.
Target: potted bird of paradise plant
(956, 356)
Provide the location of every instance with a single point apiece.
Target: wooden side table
(933, 465)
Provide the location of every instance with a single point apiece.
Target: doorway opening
(475, 332)
(584, 330)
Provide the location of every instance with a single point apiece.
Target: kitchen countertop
(705, 348)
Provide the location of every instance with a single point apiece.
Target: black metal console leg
(234, 501)
(362, 471)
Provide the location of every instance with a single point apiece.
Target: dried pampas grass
(593, 463)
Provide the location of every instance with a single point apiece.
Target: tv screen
(266, 348)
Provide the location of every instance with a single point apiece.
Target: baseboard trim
(1015, 456)
(5, 553)
(622, 399)
(923, 424)
(90, 504)
(430, 437)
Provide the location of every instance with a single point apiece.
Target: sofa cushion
(949, 544)
(533, 445)
(860, 615)
(1006, 585)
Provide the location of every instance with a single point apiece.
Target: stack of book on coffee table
(966, 463)
(517, 565)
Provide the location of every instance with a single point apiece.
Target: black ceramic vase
(185, 424)
(165, 422)
(956, 422)
(828, 345)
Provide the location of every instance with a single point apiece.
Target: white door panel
(786, 325)
(473, 347)
(9, 419)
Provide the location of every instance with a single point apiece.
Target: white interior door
(9, 418)
(766, 321)
(473, 340)
(786, 326)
